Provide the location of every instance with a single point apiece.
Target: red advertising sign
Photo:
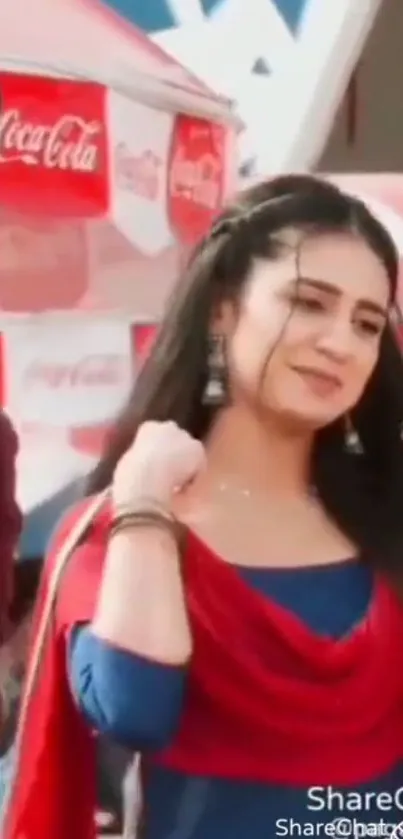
(53, 146)
(196, 176)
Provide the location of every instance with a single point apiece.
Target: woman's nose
(337, 339)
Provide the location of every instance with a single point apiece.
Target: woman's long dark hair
(364, 493)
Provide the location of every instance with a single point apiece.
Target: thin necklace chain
(225, 487)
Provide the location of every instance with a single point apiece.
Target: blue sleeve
(133, 700)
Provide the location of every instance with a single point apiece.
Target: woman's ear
(224, 318)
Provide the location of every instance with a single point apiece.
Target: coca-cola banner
(169, 176)
(64, 384)
(140, 138)
(53, 146)
(197, 171)
(80, 161)
(67, 374)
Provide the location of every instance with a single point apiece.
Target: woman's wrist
(146, 516)
(141, 503)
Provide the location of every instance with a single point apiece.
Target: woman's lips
(320, 383)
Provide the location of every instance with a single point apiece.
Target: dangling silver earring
(352, 439)
(216, 390)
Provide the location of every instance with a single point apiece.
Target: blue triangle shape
(155, 15)
(210, 6)
(292, 11)
(150, 15)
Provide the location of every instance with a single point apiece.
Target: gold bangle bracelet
(143, 503)
(146, 518)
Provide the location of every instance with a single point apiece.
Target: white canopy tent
(86, 40)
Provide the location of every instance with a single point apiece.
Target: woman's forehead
(342, 259)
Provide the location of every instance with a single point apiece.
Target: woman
(231, 608)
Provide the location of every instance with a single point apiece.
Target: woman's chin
(299, 418)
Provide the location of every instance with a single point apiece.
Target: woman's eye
(370, 327)
(309, 304)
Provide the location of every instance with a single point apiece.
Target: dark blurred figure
(13, 657)
(13, 653)
(10, 518)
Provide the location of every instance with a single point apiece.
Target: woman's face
(308, 332)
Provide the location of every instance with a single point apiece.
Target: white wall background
(379, 142)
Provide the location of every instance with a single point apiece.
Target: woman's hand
(162, 460)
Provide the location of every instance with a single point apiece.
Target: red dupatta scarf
(268, 700)
(53, 792)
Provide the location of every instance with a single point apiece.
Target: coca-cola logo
(198, 181)
(70, 143)
(139, 174)
(196, 176)
(92, 371)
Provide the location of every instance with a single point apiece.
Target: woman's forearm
(142, 606)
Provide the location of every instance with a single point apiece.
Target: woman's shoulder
(76, 557)
(84, 523)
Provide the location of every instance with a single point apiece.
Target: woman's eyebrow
(329, 288)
